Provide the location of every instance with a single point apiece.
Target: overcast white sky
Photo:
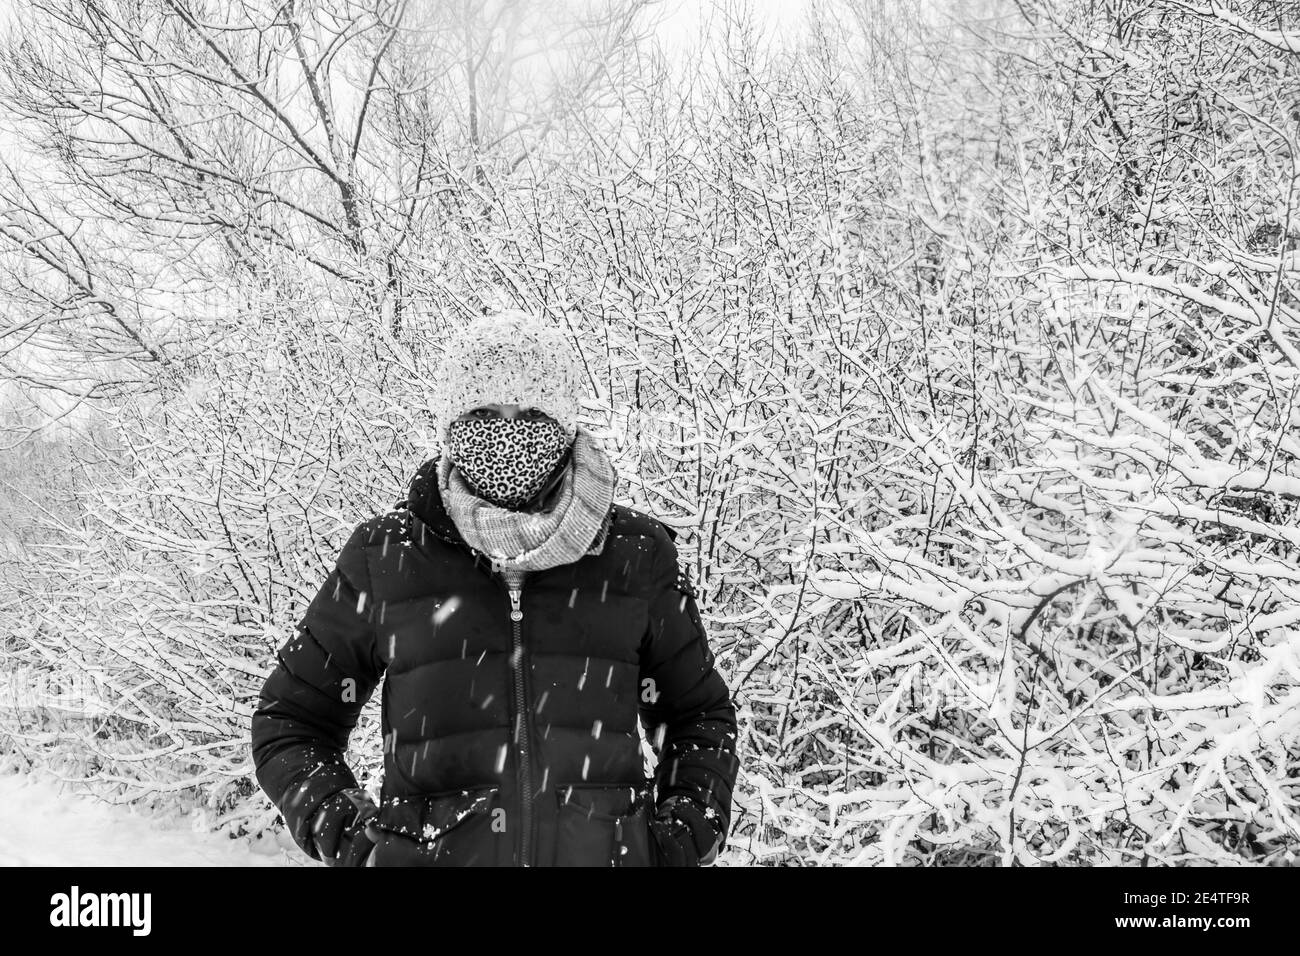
(683, 20)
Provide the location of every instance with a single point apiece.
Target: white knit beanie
(508, 358)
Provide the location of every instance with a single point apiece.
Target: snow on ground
(42, 823)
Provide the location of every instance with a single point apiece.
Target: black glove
(343, 830)
(683, 834)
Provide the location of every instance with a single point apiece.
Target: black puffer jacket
(600, 642)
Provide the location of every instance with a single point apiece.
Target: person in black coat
(529, 629)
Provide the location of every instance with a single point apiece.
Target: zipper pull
(515, 613)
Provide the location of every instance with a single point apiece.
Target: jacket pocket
(602, 825)
(454, 828)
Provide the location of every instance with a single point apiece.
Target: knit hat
(508, 358)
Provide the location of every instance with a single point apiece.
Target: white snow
(43, 823)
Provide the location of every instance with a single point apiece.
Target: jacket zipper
(518, 674)
(525, 768)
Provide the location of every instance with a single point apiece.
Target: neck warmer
(574, 525)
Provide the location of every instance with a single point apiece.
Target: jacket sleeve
(324, 675)
(686, 707)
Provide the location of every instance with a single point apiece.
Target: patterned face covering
(507, 461)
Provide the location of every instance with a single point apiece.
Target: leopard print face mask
(507, 461)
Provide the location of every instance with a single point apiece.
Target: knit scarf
(517, 541)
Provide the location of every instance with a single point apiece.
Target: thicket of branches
(960, 342)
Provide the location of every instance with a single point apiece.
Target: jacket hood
(424, 501)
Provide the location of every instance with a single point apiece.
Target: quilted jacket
(512, 719)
